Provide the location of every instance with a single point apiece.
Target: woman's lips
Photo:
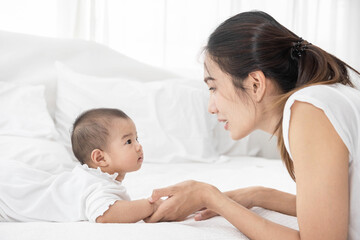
(226, 126)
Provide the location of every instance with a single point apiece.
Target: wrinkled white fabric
(28, 194)
(341, 105)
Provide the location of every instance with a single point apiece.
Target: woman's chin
(237, 136)
(234, 137)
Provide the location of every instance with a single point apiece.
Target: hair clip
(299, 48)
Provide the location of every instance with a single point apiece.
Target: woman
(263, 76)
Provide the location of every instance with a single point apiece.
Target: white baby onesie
(83, 194)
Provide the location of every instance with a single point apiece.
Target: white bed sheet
(233, 173)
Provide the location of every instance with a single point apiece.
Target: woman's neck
(269, 116)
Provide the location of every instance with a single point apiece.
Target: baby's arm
(127, 211)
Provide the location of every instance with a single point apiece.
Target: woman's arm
(248, 222)
(321, 163)
(257, 197)
(268, 198)
(127, 211)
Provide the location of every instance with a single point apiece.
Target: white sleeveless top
(341, 104)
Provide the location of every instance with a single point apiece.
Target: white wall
(171, 33)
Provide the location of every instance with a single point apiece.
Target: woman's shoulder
(337, 103)
(325, 90)
(335, 97)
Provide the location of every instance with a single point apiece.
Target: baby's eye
(137, 139)
(128, 141)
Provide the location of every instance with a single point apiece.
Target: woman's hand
(157, 204)
(183, 199)
(244, 196)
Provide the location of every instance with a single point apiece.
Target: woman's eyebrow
(208, 79)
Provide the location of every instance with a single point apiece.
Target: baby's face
(123, 151)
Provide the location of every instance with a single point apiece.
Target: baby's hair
(91, 131)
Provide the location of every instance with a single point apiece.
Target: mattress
(230, 173)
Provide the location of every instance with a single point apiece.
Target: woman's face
(232, 106)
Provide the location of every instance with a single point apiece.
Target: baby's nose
(138, 147)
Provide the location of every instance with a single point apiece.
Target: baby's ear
(98, 158)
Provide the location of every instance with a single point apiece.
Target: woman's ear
(257, 81)
(98, 158)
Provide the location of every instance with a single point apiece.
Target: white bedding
(234, 173)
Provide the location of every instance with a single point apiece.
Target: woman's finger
(159, 214)
(161, 192)
(156, 217)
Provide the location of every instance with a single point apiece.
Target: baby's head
(107, 138)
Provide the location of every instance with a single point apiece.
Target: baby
(105, 142)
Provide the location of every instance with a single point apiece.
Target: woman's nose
(212, 106)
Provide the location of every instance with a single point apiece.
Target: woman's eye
(211, 89)
(128, 141)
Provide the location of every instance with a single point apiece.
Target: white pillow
(42, 154)
(170, 115)
(23, 111)
(30, 59)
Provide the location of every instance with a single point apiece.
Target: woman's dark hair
(91, 131)
(254, 40)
